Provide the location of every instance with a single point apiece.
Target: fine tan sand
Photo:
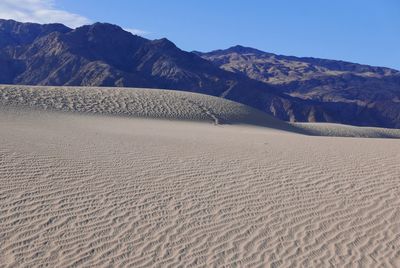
(87, 181)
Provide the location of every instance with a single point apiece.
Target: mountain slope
(105, 55)
(362, 94)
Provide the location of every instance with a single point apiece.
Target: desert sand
(147, 178)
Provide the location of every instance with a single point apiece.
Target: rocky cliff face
(105, 55)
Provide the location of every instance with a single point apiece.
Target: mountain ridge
(329, 81)
(104, 54)
(247, 49)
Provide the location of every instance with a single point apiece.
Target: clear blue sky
(363, 31)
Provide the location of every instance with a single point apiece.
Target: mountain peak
(163, 43)
(100, 27)
(106, 34)
(243, 50)
(13, 23)
(239, 49)
(19, 33)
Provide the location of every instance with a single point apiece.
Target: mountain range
(290, 88)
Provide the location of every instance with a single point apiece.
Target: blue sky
(354, 30)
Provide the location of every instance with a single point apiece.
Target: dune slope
(166, 104)
(136, 102)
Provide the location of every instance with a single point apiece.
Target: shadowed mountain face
(347, 92)
(105, 55)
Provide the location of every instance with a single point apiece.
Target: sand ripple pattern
(87, 191)
(165, 104)
(135, 102)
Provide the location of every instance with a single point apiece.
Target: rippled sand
(99, 190)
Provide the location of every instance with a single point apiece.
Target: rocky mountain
(105, 55)
(360, 94)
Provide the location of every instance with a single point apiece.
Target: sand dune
(135, 102)
(167, 104)
(89, 190)
(339, 130)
